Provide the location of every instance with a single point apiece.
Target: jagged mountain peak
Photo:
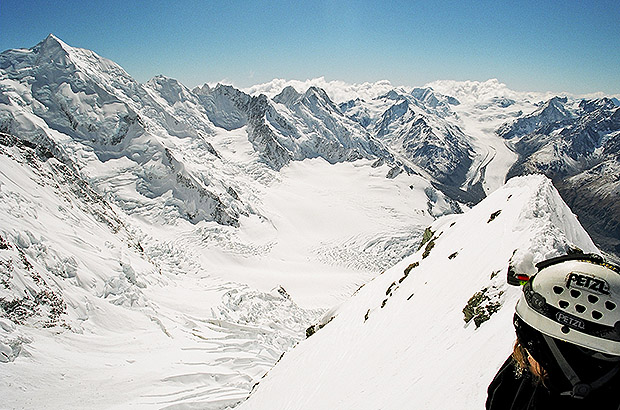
(314, 90)
(391, 95)
(224, 90)
(52, 42)
(426, 95)
(314, 98)
(554, 110)
(53, 53)
(50, 50)
(317, 95)
(598, 103)
(226, 87)
(204, 89)
(556, 103)
(226, 106)
(288, 96)
(431, 98)
(170, 89)
(159, 78)
(53, 46)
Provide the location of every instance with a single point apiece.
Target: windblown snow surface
(402, 341)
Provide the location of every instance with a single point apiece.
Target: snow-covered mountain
(432, 331)
(291, 126)
(577, 144)
(412, 125)
(162, 247)
(554, 111)
(415, 131)
(89, 107)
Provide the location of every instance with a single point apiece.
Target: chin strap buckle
(580, 391)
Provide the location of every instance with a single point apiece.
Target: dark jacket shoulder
(512, 390)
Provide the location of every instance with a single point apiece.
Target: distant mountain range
(154, 220)
(418, 131)
(576, 144)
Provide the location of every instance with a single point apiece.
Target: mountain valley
(165, 247)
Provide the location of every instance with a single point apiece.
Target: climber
(567, 353)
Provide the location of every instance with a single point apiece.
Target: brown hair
(525, 362)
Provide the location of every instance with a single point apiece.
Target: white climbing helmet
(575, 298)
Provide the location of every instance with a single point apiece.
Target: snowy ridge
(292, 126)
(399, 341)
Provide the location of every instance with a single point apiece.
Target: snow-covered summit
(435, 328)
(431, 98)
(288, 96)
(169, 89)
(52, 47)
(552, 111)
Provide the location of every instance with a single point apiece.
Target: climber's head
(568, 321)
(576, 299)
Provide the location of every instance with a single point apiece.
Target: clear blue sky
(568, 45)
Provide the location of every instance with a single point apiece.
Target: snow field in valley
(190, 316)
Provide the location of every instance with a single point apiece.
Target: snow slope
(104, 308)
(402, 341)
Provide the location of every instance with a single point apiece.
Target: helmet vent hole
(596, 314)
(558, 290)
(580, 308)
(592, 299)
(564, 304)
(575, 293)
(610, 305)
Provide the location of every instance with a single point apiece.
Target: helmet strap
(580, 390)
